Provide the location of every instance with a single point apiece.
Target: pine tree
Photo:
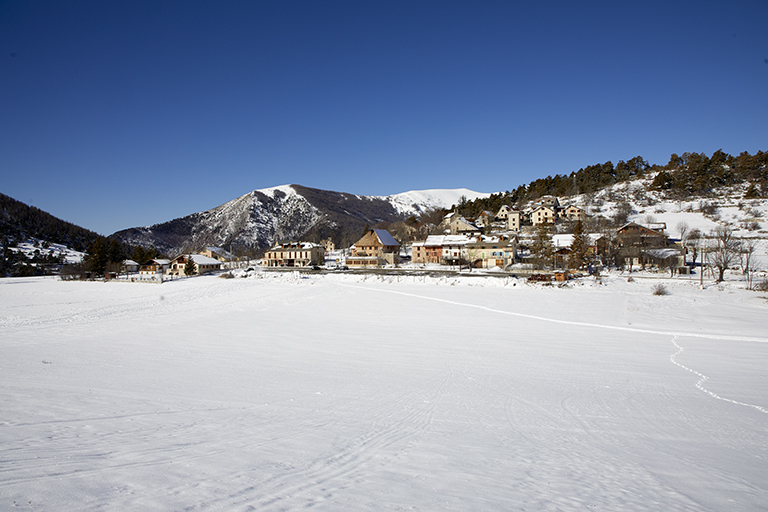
(189, 267)
(579, 246)
(542, 249)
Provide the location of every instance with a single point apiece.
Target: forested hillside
(19, 222)
(23, 223)
(689, 174)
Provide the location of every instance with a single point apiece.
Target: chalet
(374, 249)
(632, 233)
(129, 266)
(203, 264)
(633, 241)
(294, 254)
(158, 266)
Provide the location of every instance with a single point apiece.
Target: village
(545, 241)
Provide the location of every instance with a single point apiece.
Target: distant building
(295, 254)
(203, 264)
(158, 266)
(217, 253)
(374, 249)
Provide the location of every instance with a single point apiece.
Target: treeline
(689, 174)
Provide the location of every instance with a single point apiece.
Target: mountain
(255, 221)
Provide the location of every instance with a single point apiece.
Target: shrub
(660, 289)
(762, 286)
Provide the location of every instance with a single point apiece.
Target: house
(376, 248)
(514, 220)
(503, 212)
(426, 252)
(158, 266)
(574, 213)
(442, 249)
(636, 234)
(491, 251)
(544, 215)
(550, 201)
(203, 264)
(129, 266)
(633, 240)
(484, 219)
(294, 254)
(217, 253)
(455, 224)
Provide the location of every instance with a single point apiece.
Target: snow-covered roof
(439, 240)
(296, 245)
(218, 250)
(204, 260)
(667, 252)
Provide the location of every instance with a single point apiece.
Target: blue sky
(121, 114)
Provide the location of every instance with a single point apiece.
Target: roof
(635, 224)
(218, 250)
(378, 237)
(204, 260)
(440, 240)
(296, 245)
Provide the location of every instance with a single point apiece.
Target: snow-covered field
(343, 392)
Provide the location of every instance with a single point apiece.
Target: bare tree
(692, 241)
(747, 249)
(725, 250)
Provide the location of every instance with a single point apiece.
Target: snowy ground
(338, 392)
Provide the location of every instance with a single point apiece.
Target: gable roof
(639, 228)
(377, 237)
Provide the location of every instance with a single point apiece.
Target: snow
(418, 201)
(34, 245)
(285, 391)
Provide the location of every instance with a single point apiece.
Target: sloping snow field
(342, 392)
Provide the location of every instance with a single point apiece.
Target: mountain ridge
(258, 219)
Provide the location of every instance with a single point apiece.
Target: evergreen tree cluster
(697, 174)
(691, 173)
(106, 254)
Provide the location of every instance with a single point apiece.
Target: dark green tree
(189, 267)
(579, 247)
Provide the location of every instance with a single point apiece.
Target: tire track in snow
(703, 378)
(675, 335)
